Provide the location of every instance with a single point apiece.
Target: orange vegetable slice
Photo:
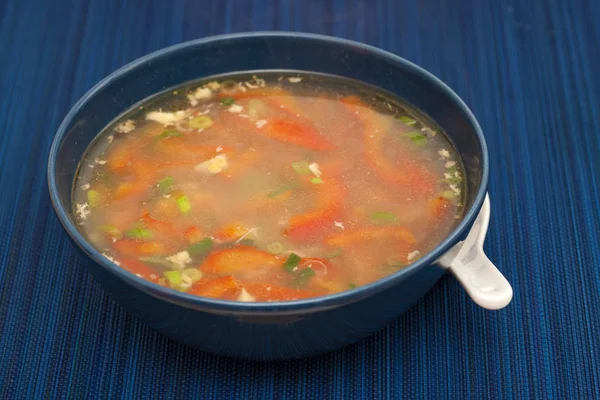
(221, 287)
(239, 259)
(139, 268)
(299, 133)
(130, 189)
(319, 222)
(193, 235)
(375, 127)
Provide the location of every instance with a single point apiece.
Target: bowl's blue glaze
(265, 330)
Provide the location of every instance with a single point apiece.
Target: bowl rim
(228, 306)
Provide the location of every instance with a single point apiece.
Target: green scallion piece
(168, 134)
(316, 181)
(174, 278)
(201, 248)
(351, 286)
(417, 138)
(383, 217)
(201, 121)
(93, 198)
(407, 120)
(184, 204)
(165, 184)
(304, 276)
(281, 189)
(448, 195)
(112, 231)
(291, 262)
(301, 167)
(275, 248)
(227, 101)
(139, 233)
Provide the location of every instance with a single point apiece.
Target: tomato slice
(223, 287)
(239, 259)
(139, 268)
(318, 223)
(375, 126)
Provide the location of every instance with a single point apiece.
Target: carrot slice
(268, 292)
(221, 287)
(239, 259)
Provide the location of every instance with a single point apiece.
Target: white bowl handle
(469, 264)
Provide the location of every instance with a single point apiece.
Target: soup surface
(275, 187)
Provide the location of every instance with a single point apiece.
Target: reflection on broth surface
(275, 187)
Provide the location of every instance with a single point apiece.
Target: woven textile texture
(528, 70)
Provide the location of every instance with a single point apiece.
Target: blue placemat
(529, 71)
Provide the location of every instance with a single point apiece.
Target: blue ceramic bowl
(265, 330)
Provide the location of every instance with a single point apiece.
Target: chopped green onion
(275, 248)
(417, 138)
(201, 121)
(334, 253)
(184, 204)
(351, 286)
(112, 231)
(383, 217)
(201, 248)
(448, 195)
(228, 101)
(139, 233)
(174, 278)
(304, 275)
(193, 274)
(168, 134)
(316, 181)
(157, 261)
(93, 198)
(291, 262)
(165, 184)
(407, 120)
(301, 167)
(281, 189)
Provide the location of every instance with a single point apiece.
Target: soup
(276, 187)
